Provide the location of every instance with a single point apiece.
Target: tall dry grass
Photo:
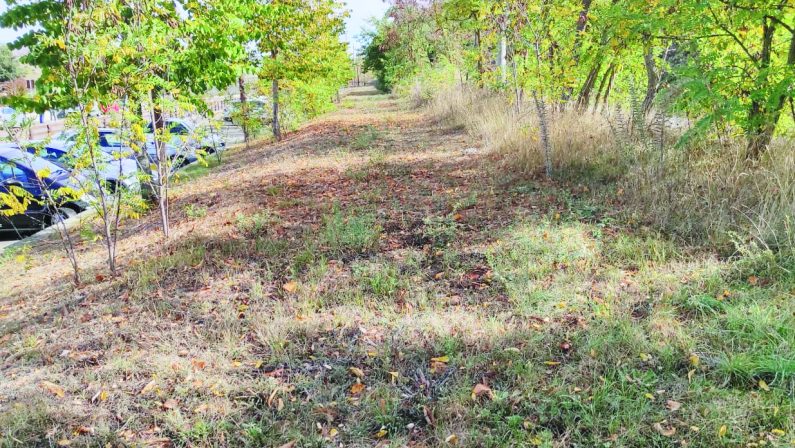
(704, 192)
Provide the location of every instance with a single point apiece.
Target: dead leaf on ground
(150, 386)
(357, 372)
(170, 404)
(673, 405)
(290, 286)
(667, 431)
(481, 390)
(357, 388)
(53, 388)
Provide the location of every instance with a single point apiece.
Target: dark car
(26, 181)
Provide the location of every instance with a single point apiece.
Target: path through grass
(377, 280)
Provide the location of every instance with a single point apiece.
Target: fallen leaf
(357, 372)
(763, 385)
(64, 442)
(443, 359)
(753, 280)
(778, 432)
(150, 386)
(53, 388)
(552, 363)
(170, 404)
(694, 360)
(84, 430)
(290, 286)
(665, 431)
(722, 431)
(381, 433)
(673, 405)
(198, 364)
(452, 439)
(357, 388)
(482, 390)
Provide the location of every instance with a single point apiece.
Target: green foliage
(349, 233)
(439, 230)
(10, 68)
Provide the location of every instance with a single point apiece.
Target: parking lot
(231, 134)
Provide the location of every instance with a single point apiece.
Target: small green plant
(194, 211)
(381, 280)
(365, 138)
(343, 233)
(439, 230)
(257, 223)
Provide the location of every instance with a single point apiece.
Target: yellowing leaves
(357, 372)
(357, 388)
(53, 388)
(763, 385)
(291, 286)
(482, 390)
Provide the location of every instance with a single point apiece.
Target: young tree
(10, 68)
(298, 40)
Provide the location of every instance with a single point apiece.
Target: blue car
(27, 181)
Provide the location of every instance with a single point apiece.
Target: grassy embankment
(381, 278)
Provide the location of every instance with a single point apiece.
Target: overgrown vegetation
(395, 276)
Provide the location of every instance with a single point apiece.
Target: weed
(349, 233)
(366, 138)
(258, 223)
(380, 280)
(194, 211)
(439, 230)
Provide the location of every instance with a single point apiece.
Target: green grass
(349, 232)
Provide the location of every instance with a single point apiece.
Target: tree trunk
(585, 92)
(541, 109)
(609, 87)
(764, 115)
(241, 86)
(163, 164)
(481, 69)
(652, 80)
(277, 130)
(602, 85)
(502, 59)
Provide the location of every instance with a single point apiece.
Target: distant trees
(728, 61)
(10, 68)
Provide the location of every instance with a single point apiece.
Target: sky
(360, 13)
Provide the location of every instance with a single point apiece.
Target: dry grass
(352, 284)
(701, 193)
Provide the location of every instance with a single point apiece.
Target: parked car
(32, 179)
(114, 169)
(191, 137)
(9, 117)
(110, 141)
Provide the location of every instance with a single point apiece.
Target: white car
(189, 137)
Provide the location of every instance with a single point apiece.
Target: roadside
(232, 135)
(376, 279)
